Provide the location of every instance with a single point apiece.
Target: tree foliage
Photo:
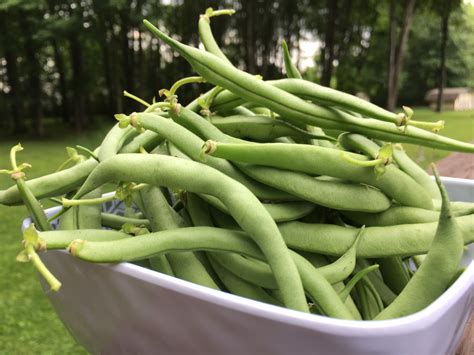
(72, 59)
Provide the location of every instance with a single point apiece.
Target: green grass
(28, 324)
(458, 125)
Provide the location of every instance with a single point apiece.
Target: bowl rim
(398, 326)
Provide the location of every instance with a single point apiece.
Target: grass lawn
(458, 125)
(28, 324)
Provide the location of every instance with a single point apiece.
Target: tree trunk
(392, 35)
(35, 89)
(18, 123)
(250, 48)
(329, 43)
(77, 84)
(59, 60)
(442, 66)
(127, 65)
(399, 54)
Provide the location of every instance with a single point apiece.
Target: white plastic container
(126, 309)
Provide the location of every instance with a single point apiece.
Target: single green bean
(437, 270)
(377, 242)
(240, 287)
(116, 222)
(399, 215)
(148, 140)
(394, 273)
(51, 185)
(114, 140)
(415, 171)
(60, 239)
(292, 71)
(162, 216)
(261, 128)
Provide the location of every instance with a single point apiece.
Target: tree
(444, 8)
(398, 44)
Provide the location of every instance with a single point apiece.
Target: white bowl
(126, 309)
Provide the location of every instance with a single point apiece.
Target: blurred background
(69, 61)
(64, 65)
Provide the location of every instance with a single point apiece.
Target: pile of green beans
(246, 190)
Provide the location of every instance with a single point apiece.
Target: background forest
(70, 60)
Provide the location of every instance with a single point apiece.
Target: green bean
(339, 195)
(340, 269)
(239, 110)
(456, 206)
(394, 273)
(116, 222)
(144, 200)
(240, 287)
(200, 217)
(324, 161)
(185, 265)
(348, 301)
(26, 195)
(251, 270)
(148, 140)
(189, 143)
(415, 171)
(322, 142)
(345, 292)
(280, 212)
(51, 185)
(89, 216)
(67, 221)
(292, 71)
(205, 32)
(386, 294)
(241, 203)
(377, 242)
(371, 304)
(261, 128)
(60, 239)
(437, 270)
(114, 140)
(399, 215)
(294, 109)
